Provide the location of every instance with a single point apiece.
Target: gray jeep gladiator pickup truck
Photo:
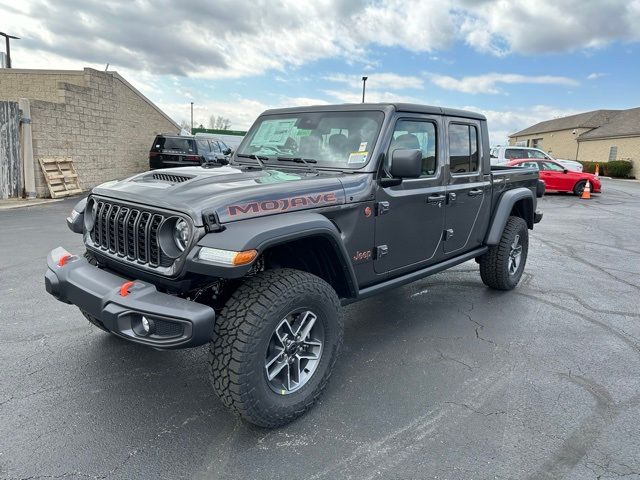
(320, 206)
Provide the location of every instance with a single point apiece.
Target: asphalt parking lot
(442, 379)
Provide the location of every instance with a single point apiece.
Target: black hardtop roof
(175, 135)
(385, 107)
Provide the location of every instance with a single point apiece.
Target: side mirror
(406, 163)
(227, 151)
(565, 170)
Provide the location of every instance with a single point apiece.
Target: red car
(557, 178)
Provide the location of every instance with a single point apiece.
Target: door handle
(436, 198)
(475, 192)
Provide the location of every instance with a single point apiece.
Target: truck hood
(232, 192)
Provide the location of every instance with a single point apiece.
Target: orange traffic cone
(586, 193)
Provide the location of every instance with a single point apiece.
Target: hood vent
(170, 178)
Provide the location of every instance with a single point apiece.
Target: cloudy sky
(519, 62)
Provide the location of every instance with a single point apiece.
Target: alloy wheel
(294, 352)
(515, 255)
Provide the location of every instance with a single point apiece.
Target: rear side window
(530, 164)
(174, 145)
(463, 148)
(512, 153)
(536, 154)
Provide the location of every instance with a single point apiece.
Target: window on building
(463, 148)
(613, 153)
(536, 143)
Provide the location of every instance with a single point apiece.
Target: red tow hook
(124, 289)
(63, 259)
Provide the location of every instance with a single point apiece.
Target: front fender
(260, 233)
(501, 213)
(75, 221)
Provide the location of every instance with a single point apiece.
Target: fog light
(145, 326)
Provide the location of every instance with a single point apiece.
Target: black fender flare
(262, 233)
(501, 213)
(76, 224)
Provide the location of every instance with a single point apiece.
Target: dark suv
(182, 151)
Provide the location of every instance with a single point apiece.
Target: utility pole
(364, 84)
(7, 37)
(191, 118)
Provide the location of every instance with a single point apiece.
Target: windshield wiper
(306, 161)
(253, 156)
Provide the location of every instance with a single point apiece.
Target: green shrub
(619, 168)
(590, 167)
(614, 168)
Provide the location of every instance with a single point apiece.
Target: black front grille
(171, 178)
(129, 233)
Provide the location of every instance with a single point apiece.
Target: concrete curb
(21, 203)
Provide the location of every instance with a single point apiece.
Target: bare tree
(185, 125)
(219, 122)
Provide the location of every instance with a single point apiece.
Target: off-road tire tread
(492, 264)
(236, 337)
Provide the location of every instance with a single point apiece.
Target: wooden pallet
(61, 177)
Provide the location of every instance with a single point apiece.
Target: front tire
(275, 345)
(502, 266)
(579, 188)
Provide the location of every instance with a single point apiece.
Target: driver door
(410, 216)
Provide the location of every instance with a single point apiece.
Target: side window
(512, 153)
(536, 154)
(223, 145)
(419, 135)
(552, 166)
(530, 164)
(463, 148)
(215, 147)
(203, 146)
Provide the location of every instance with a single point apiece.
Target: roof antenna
(106, 68)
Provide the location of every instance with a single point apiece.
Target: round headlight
(90, 212)
(181, 234)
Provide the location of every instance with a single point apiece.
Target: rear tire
(251, 343)
(502, 266)
(579, 187)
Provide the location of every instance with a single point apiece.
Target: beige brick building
(597, 136)
(97, 119)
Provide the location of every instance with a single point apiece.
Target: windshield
(332, 139)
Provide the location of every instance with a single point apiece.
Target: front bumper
(537, 217)
(174, 322)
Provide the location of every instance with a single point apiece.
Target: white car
(570, 164)
(502, 155)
